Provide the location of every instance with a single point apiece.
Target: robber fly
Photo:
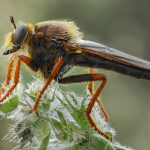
(52, 48)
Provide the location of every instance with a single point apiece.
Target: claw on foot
(32, 109)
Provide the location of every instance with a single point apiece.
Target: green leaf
(10, 105)
(45, 105)
(73, 97)
(101, 142)
(32, 97)
(44, 143)
(59, 130)
(42, 129)
(109, 133)
(61, 117)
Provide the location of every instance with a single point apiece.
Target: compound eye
(20, 33)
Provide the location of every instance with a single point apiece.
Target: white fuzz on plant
(62, 124)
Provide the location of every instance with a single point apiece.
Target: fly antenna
(12, 21)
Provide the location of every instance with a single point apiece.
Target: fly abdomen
(132, 71)
(94, 61)
(129, 70)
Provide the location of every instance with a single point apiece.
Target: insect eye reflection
(20, 33)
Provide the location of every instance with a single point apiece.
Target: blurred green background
(123, 25)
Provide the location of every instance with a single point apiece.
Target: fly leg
(58, 63)
(16, 78)
(86, 78)
(8, 76)
(91, 90)
(27, 61)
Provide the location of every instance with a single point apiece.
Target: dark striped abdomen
(94, 61)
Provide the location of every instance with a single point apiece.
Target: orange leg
(16, 78)
(34, 66)
(96, 77)
(27, 61)
(91, 89)
(51, 77)
(90, 84)
(9, 74)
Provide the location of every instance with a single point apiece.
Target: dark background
(123, 25)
